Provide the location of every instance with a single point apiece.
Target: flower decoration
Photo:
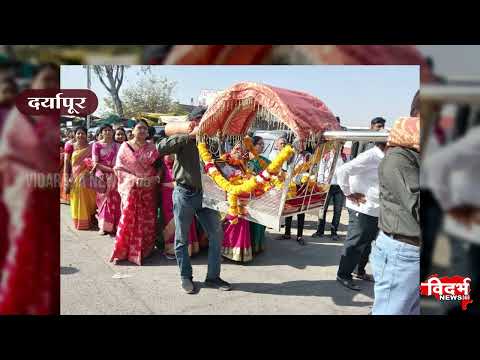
(236, 187)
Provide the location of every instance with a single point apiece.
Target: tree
(113, 75)
(149, 94)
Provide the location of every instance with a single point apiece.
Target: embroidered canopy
(234, 110)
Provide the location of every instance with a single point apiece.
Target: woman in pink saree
(237, 244)
(108, 203)
(138, 177)
(167, 186)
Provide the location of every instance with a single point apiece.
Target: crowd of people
(103, 183)
(149, 195)
(140, 193)
(381, 187)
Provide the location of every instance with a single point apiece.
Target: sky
(454, 60)
(356, 94)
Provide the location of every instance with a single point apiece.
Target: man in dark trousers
(358, 180)
(187, 200)
(335, 194)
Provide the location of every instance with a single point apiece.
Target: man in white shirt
(358, 180)
(335, 194)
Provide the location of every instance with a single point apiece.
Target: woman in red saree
(29, 255)
(108, 203)
(8, 92)
(138, 177)
(167, 186)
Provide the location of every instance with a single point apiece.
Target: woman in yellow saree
(82, 199)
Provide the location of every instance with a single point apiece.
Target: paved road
(286, 279)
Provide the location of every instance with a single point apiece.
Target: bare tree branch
(116, 74)
(113, 74)
(104, 84)
(120, 81)
(98, 70)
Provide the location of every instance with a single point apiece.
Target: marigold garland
(230, 160)
(284, 155)
(236, 188)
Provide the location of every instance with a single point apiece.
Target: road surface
(286, 279)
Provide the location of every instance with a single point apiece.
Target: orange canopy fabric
(233, 111)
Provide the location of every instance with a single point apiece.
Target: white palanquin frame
(271, 208)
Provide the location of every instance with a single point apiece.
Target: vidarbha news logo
(455, 288)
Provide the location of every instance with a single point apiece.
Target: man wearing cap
(187, 202)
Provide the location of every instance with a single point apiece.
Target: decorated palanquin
(268, 195)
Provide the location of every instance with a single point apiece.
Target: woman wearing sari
(167, 186)
(82, 199)
(69, 141)
(257, 165)
(108, 203)
(70, 136)
(29, 251)
(8, 93)
(137, 175)
(64, 197)
(237, 244)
